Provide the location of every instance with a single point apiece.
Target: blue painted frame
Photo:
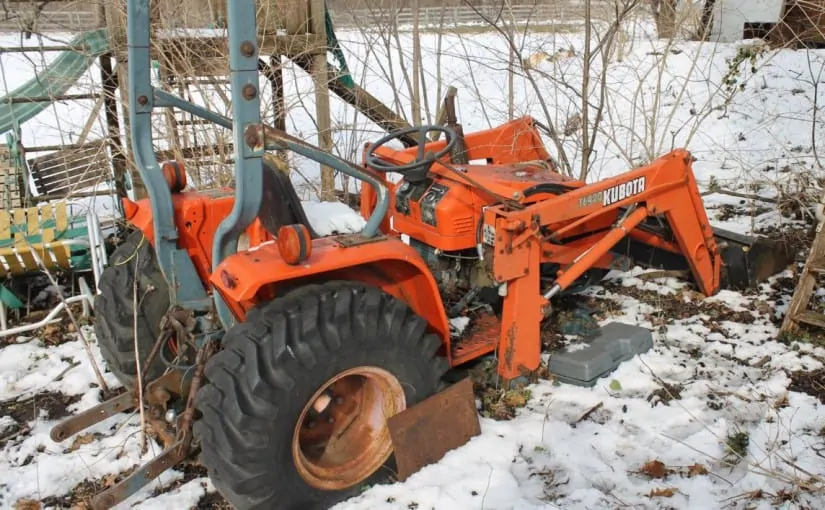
(185, 287)
(184, 284)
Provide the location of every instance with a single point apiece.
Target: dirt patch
(53, 402)
(726, 212)
(212, 501)
(812, 383)
(665, 394)
(23, 411)
(80, 497)
(190, 470)
(673, 307)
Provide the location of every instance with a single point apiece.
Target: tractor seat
(280, 204)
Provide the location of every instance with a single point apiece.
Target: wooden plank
(5, 233)
(208, 56)
(70, 166)
(5, 225)
(47, 235)
(12, 261)
(68, 189)
(32, 221)
(811, 318)
(61, 217)
(807, 281)
(65, 159)
(69, 149)
(70, 176)
(70, 169)
(62, 254)
(21, 244)
(60, 251)
(76, 170)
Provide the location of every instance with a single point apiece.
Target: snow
(544, 459)
(333, 217)
(733, 375)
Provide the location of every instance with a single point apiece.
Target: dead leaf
(52, 334)
(696, 470)
(663, 493)
(781, 402)
(81, 440)
(515, 399)
(109, 480)
(655, 469)
(27, 504)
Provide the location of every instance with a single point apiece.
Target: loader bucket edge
(749, 260)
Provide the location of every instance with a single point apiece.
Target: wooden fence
(54, 17)
(83, 15)
(569, 11)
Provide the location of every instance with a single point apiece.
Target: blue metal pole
(184, 285)
(246, 112)
(165, 99)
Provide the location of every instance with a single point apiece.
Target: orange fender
(247, 278)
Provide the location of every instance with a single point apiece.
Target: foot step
(481, 340)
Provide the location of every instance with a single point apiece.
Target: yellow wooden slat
(15, 267)
(62, 254)
(29, 262)
(47, 233)
(61, 218)
(5, 225)
(33, 220)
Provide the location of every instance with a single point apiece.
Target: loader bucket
(748, 261)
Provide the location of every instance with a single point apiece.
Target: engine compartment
(442, 219)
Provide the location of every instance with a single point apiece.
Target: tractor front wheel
(118, 318)
(295, 407)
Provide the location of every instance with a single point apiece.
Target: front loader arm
(522, 237)
(666, 187)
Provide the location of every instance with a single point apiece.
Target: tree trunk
(665, 14)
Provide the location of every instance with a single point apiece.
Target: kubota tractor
(276, 357)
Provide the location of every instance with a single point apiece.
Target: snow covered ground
(717, 374)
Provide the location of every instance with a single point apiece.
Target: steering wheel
(417, 170)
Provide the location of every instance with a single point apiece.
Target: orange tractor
(277, 357)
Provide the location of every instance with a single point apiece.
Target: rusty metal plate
(350, 240)
(425, 432)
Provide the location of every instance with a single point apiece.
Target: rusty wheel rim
(341, 436)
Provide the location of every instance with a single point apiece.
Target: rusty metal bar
(45, 148)
(116, 494)
(24, 49)
(49, 99)
(93, 415)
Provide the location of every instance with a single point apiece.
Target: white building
(730, 17)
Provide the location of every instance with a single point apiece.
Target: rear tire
(272, 365)
(114, 308)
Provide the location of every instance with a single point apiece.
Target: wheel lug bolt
(311, 424)
(330, 419)
(339, 400)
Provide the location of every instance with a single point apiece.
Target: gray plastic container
(615, 343)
